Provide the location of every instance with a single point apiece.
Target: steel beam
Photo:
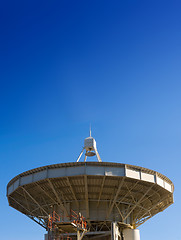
(46, 193)
(102, 186)
(72, 190)
(119, 211)
(31, 214)
(57, 197)
(115, 198)
(86, 199)
(152, 207)
(35, 201)
(138, 202)
(120, 200)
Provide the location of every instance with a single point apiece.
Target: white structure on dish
(91, 149)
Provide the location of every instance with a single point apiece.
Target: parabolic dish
(102, 191)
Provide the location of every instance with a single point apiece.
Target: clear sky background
(64, 64)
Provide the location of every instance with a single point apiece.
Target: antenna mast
(90, 147)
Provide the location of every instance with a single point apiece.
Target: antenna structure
(98, 200)
(90, 148)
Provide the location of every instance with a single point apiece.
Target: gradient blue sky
(64, 64)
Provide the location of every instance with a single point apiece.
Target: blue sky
(64, 64)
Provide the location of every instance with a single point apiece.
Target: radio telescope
(90, 200)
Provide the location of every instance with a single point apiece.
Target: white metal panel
(73, 171)
(131, 234)
(26, 179)
(168, 186)
(115, 234)
(132, 173)
(16, 184)
(56, 172)
(114, 171)
(89, 142)
(147, 177)
(91, 170)
(160, 181)
(39, 176)
(10, 189)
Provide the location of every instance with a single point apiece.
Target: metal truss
(36, 219)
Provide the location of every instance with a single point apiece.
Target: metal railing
(75, 219)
